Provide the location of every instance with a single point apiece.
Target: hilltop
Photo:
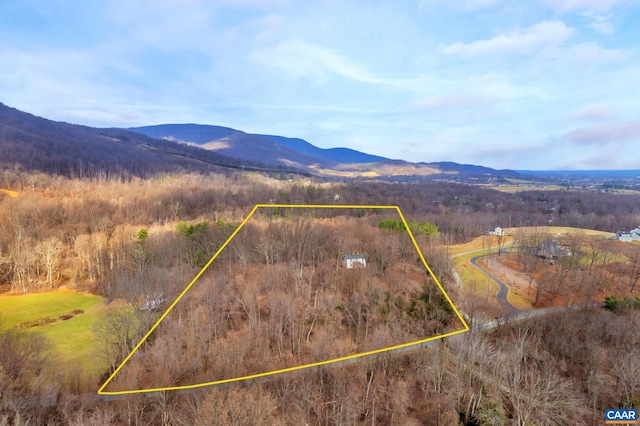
(34, 143)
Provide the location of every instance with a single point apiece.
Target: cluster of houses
(633, 235)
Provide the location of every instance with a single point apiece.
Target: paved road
(501, 297)
(508, 309)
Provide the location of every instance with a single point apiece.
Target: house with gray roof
(633, 235)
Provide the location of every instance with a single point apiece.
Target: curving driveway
(501, 297)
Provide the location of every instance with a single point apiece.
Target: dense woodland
(93, 221)
(278, 296)
(135, 240)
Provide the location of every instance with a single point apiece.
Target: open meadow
(65, 318)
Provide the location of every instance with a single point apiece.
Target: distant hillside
(253, 147)
(37, 144)
(336, 155)
(34, 143)
(294, 152)
(448, 166)
(232, 143)
(195, 133)
(584, 174)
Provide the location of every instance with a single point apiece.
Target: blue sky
(547, 84)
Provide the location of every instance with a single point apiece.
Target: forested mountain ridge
(231, 143)
(34, 143)
(238, 144)
(280, 150)
(38, 144)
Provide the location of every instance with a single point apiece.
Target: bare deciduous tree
(49, 251)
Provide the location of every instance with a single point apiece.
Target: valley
(258, 213)
(131, 246)
(113, 279)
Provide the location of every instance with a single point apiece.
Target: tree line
(144, 239)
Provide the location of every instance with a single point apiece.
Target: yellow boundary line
(101, 390)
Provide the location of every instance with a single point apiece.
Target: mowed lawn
(73, 339)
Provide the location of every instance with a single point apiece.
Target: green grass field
(73, 338)
(474, 279)
(512, 189)
(559, 231)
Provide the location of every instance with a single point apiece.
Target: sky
(537, 85)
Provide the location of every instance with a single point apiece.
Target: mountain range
(254, 147)
(298, 153)
(34, 143)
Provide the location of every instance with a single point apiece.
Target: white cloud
(468, 5)
(592, 53)
(606, 133)
(257, 4)
(455, 101)
(456, 108)
(306, 60)
(544, 35)
(599, 22)
(593, 114)
(602, 26)
(566, 6)
(164, 24)
(547, 39)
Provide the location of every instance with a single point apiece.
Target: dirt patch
(49, 320)
(509, 271)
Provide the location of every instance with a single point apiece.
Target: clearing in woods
(65, 317)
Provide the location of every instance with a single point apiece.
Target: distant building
(550, 249)
(352, 261)
(153, 303)
(498, 231)
(633, 235)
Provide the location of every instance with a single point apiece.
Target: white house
(352, 261)
(498, 231)
(633, 235)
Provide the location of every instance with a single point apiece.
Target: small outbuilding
(352, 261)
